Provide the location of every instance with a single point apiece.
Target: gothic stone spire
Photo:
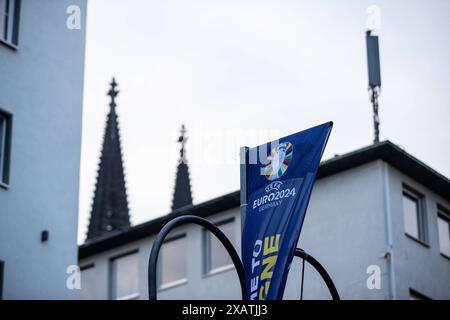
(182, 195)
(110, 205)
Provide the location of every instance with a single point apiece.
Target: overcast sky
(245, 72)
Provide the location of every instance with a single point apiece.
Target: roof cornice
(386, 151)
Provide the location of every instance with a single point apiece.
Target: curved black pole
(325, 276)
(152, 290)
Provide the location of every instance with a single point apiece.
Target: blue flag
(280, 178)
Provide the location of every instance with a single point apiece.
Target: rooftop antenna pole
(373, 64)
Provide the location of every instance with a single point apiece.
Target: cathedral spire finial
(182, 195)
(113, 93)
(182, 140)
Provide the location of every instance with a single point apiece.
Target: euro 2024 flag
(280, 178)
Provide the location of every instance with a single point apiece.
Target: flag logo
(279, 160)
(273, 186)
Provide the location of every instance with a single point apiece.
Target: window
(414, 215)
(444, 231)
(9, 21)
(216, 256)
(5, 146)
(88, 285)
(172, 266)
(125, 276)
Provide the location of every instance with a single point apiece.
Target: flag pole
(243, 180)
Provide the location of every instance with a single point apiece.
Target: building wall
(42, 86)
(417, 266)
(346, 234)
(345, 229)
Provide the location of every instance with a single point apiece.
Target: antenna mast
(373, 64)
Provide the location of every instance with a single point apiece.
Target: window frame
(111, 294)
(5, 148)
(11, 38)
(421, 215)
(159, 284)
(206, 248)
(444, 214)
(83, 268)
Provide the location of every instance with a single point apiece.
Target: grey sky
(244, 72)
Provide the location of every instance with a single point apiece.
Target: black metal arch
(152, 290)
(157, 244)
(321, 270)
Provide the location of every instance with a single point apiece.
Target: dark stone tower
(110, 205)
(182, 195)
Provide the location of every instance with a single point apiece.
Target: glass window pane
(444, 236)
(173, 261)
(3, 7)
(2, 147)
(2, 134)
(88, 285)
(219, 256)
(125, 273)
(411, 214)
(5, 141)
(3, 19)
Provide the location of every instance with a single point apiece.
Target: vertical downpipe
(388, 225)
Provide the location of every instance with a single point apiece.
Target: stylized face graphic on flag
(279, 160)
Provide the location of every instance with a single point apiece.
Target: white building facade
(378, 221)
(42, 47)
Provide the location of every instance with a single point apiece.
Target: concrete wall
(345, 229)
(42, 86)
(417, 266)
